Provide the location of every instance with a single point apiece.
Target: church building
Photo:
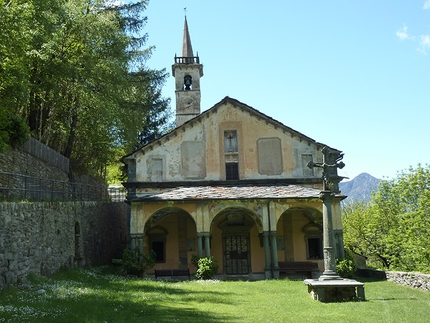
(232, 183)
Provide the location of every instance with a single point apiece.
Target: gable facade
(184, 202)
(231, 183)
(229, 133)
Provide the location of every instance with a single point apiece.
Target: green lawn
(93, 295)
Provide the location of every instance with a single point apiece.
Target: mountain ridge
(360, 188)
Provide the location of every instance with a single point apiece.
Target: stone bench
(172, 273)
(336, 290)
(298, 267)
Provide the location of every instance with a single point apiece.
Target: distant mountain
(359, 188)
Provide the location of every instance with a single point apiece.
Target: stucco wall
(40, 237)
(201, 145)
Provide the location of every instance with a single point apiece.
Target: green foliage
(393, 230)
(207, 268)
(195, 260)
(18, 131)
(75, 71)
(135, 262)
(13, 131)
(347, 266)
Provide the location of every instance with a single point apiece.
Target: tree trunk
(71, 140)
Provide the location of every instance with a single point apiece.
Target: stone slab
(336, 290)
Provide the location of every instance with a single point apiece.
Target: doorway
(236, 254)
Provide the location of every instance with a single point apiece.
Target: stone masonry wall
(42, 237)
(20, 162)
(415, 280)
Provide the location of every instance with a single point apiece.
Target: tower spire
(187, 49)
(187, 71)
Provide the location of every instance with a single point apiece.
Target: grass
(97, 295)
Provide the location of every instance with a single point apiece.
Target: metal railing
(15, 187)
(117, 193)
(187, 60)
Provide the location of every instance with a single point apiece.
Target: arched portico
(171, 233)
(300, 235)
(248, 234)
(236, 236)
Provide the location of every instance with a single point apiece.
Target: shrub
(195, 260)
(135, 262)
(13, 132)
(207, 268)
(347, 266)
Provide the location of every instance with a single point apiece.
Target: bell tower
(187, 71)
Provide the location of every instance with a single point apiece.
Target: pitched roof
(233, 192)
(243, 107)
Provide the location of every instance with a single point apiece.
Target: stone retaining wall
(22, 163)
(415, 280)
(26, 177)
(42, 237)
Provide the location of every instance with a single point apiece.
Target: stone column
(207, 244)
(136, 240)
(328, 238)
(140, 244)
(199, 245)
(267, 269)
(274, 245)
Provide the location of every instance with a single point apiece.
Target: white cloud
(424, 40)
(403, 33)
(424, 43)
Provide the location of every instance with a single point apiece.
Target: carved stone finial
(332, 160)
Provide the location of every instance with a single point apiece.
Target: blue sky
(354, 75)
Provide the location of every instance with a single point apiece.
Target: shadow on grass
(369, 279)
(76, 297)
(171, 289)
(134, 301)
(100, 309)
(395, 299)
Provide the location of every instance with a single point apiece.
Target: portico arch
(235, 233)
(293, 233)
(171, 233)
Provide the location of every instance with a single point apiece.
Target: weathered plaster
(210, 131)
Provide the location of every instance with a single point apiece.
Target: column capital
(203, 234)
(325, 195)
(137, 235)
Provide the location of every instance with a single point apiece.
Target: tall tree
(88, 91)
(15, 38)
(394, 228)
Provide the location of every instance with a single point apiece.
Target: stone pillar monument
(331, 161)
(330, 286)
